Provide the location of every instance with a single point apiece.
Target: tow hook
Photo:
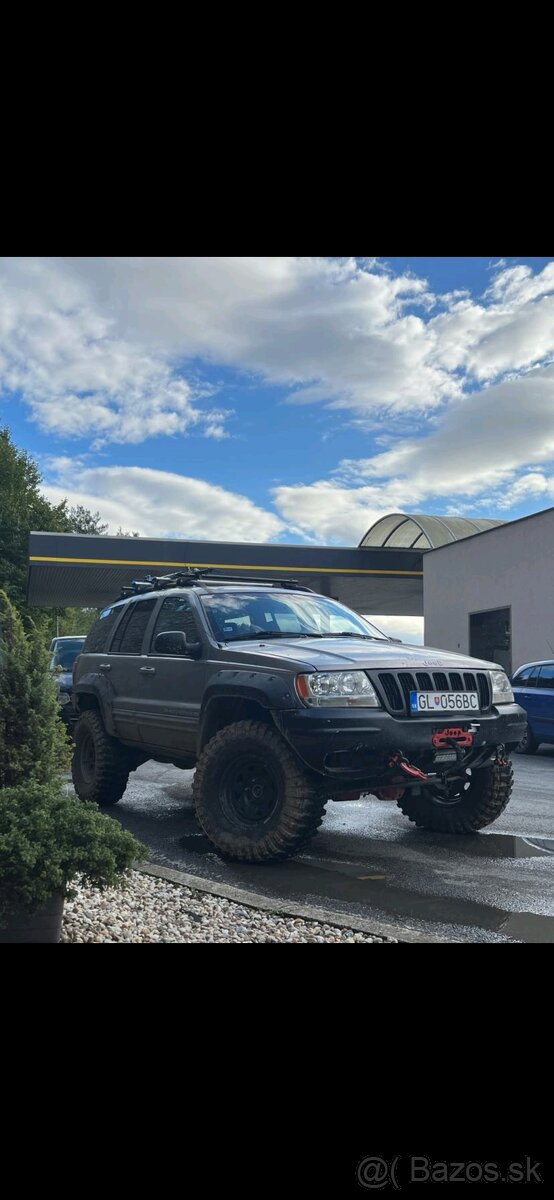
(501, 759)
(399, 760)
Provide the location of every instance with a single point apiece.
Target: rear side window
(99, 635)
(527, 678)
(546, 677)
(130, 635)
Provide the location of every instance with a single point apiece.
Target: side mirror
(397, 641)
(175, 645)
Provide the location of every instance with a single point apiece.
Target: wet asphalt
(367, 860)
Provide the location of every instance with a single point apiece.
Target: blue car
(533, 688)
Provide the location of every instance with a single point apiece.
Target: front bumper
(351, 745)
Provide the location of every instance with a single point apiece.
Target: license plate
(423, 703)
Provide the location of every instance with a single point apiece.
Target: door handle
(105, 667)
(148, 670)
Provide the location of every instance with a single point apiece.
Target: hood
(338, 654)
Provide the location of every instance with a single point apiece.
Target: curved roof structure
(414, 531)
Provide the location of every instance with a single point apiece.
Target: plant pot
(39, 927)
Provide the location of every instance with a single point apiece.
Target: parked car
(533, 688)
(283, 699)
(64, 651)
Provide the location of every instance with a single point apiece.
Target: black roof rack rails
(292, 585)
(192, 575)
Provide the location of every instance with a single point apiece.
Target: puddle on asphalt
(505, 845)
(324, 881)
(330, 881)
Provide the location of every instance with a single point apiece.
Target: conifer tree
(33, 742)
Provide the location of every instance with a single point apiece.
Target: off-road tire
(485, 799)
(100, 766)
(528, 743)
(299, 806)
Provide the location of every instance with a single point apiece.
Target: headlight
(501, 688)
(341, 689)
(64, 698)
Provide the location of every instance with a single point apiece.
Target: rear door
(173, 684)
(126, 666)
(543, 723)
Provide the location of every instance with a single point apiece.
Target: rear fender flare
(102, 691)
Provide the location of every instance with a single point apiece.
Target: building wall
(509, 567)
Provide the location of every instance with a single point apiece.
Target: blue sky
(290, 399)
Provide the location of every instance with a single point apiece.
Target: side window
(527, 678)
(546, 677)
(130, 635)
(99, 635)
(176, 615)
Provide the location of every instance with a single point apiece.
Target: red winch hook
(399, 760)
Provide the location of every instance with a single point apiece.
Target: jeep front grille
(395, 686)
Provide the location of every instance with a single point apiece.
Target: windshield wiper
(256, 637)
(366, 637)
(265, 634)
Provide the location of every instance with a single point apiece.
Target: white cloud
(162, 504)
(98, 344)
(481, 448)
(79, 376)
(458, 392)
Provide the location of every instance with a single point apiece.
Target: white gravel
(153, 910)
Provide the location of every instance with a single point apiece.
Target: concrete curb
(325, 916)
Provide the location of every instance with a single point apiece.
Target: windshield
(241, 616)
(65, 654)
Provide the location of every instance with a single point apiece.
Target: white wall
(508, 567)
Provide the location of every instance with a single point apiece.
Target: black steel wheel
(253, 799)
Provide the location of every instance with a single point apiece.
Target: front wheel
(253, 800)
(528, 743)
(463, 805)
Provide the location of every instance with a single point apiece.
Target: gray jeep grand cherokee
(283, 699)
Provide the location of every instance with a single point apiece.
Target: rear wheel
(100, 766)
(528, 743)
(463, 805)
(253, 800)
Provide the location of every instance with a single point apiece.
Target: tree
(22, 508)
(33, 742)
(83, 521)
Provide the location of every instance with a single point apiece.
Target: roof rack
(192, 576)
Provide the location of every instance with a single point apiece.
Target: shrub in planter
(48, 839)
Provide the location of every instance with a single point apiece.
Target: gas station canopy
(71, 570)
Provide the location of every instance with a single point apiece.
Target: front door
(170, 712)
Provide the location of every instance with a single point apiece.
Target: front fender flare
(271, 691)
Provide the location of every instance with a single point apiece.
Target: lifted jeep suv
(283, 699)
